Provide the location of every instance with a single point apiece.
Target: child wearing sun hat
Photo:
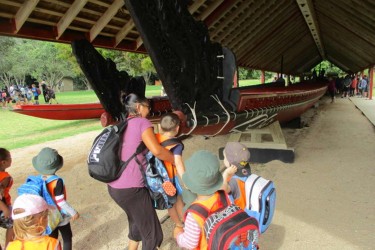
(30, 219)
(47, 163)
(202, 177)
(236, 161)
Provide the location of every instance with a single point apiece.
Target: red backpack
(230, 227)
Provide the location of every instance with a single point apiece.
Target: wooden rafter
(105, 18)
(69, 16)
(225, 23)
(196, 5)
(210, 9)
(308, 13)
(23, 13)
(125, 30)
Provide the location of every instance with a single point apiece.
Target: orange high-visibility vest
(4, 175)
(241, 200)
(51, 189)
(171, 170)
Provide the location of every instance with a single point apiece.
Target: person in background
(36, 93)
(51, 95)
(30, 218)
(332, 88)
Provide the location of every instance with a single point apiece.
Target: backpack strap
(50, 178)
(240, 178)
(199, 210)
(171, 141)
(202, 211)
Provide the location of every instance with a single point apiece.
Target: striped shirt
(190, 237)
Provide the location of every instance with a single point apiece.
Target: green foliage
(53, 61)
(244, 74)
(328, 67)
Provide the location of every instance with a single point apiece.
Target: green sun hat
(202, 175)
(48, 161)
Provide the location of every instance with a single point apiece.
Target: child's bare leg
(179, 207)
(174, 216)
(133, 245)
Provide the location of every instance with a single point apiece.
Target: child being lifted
(169, 126)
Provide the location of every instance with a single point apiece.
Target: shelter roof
(262, 33)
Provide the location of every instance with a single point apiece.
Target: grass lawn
(19, 131)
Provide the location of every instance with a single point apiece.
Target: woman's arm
(149, 139)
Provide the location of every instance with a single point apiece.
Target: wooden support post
(371, 81)
(262, 77)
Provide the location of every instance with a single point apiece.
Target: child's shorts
(5, 222)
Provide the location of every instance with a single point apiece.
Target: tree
(52, 66)
(6, 43)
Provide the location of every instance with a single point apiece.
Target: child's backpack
(38, 186)
(162, 188)
(156, 175)
(260, 199)
(104, 159)
(38, 91)
(228, 228)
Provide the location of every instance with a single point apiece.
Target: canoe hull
(62, 111)
(256, 107)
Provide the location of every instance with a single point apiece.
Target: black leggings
(66, 234)
(143, 221)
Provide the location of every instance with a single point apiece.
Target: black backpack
(104, 159)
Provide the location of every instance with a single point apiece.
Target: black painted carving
(181, 50)
(107, 82)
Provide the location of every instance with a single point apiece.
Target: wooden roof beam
(308, 13)
(69, 16)
(105, 19)
(125, 30)
(198, 3)
(209, 10)
(23, 13)
(219, 12)
(237, 13)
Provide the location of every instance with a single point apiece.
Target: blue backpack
(38, 186)
(260, 199)
(155, 175)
